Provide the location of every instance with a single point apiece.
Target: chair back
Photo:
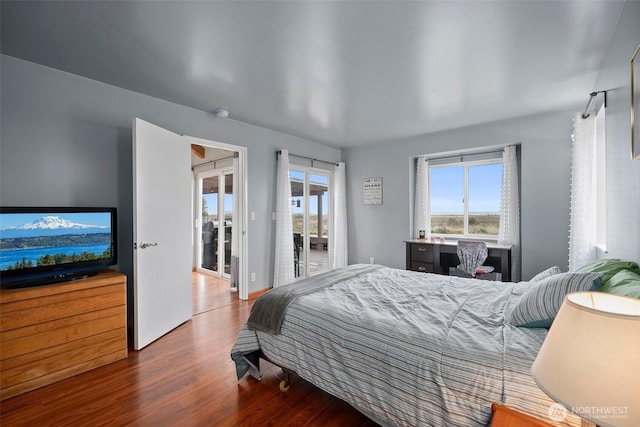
(471, 256)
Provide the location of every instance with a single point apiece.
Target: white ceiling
(344, 73)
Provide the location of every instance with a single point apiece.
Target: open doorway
(217, 226)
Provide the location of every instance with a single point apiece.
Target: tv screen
(48, 245)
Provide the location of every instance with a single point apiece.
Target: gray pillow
(546, 273)
(540, 303)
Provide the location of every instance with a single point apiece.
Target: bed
(404, 348)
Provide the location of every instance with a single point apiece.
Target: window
(465, 197)
(310, 214)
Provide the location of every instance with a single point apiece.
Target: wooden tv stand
(52, 332)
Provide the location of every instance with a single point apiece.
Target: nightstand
(503, 416)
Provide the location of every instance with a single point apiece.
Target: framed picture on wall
(372, 191)
(635, 105)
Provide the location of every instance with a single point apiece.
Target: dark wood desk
(435, 257)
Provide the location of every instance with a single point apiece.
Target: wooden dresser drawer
(420, 257)
(52, 332)
(425, 267)
(423, 253)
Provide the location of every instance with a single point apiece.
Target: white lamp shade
(590, 359)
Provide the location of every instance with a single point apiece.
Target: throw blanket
(268, 311)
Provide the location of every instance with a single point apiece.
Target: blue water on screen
(11, 257)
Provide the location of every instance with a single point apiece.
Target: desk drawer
(422, 253)
(424, 267)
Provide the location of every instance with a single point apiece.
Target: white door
(161, 231)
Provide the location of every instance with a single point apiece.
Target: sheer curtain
(582, 226)
(422, 207)
(509, 231)
(284, 260)
(339, 232)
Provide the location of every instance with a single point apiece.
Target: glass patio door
(226, 209)
(216, 222)
(310, 210)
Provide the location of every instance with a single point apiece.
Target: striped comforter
(409, 349)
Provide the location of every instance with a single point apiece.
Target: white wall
(66, 140)
(623, 173)
(379, 230)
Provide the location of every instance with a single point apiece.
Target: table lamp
(590, 359)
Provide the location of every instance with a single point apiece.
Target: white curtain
(422, 207)
(284, 260)
(339, 239)
(582, 227)
(509, 231)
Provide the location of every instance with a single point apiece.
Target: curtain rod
(477, 153)
(592, 97)
(308, 158)
(233, 156)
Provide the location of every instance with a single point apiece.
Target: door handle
(144, 245)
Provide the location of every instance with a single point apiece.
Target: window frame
(466, 164)
(222, 174)
(306, 183)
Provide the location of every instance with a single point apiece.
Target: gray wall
(623, 174)
(66, 140)
(379, 230)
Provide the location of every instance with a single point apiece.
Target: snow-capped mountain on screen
(51, 225)
(54, 223)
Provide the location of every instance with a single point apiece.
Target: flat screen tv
(40, 246)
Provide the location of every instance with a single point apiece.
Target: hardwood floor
(185, 378)
(210, 292)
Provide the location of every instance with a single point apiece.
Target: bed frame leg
(254, 369)
(285, 384)
(255, 373)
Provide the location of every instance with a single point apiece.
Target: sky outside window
(447, 189)
(212, 203)
(485, 188)
(322, 180)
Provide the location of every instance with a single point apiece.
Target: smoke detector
(223, 114)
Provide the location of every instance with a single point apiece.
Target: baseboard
(256, 294)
